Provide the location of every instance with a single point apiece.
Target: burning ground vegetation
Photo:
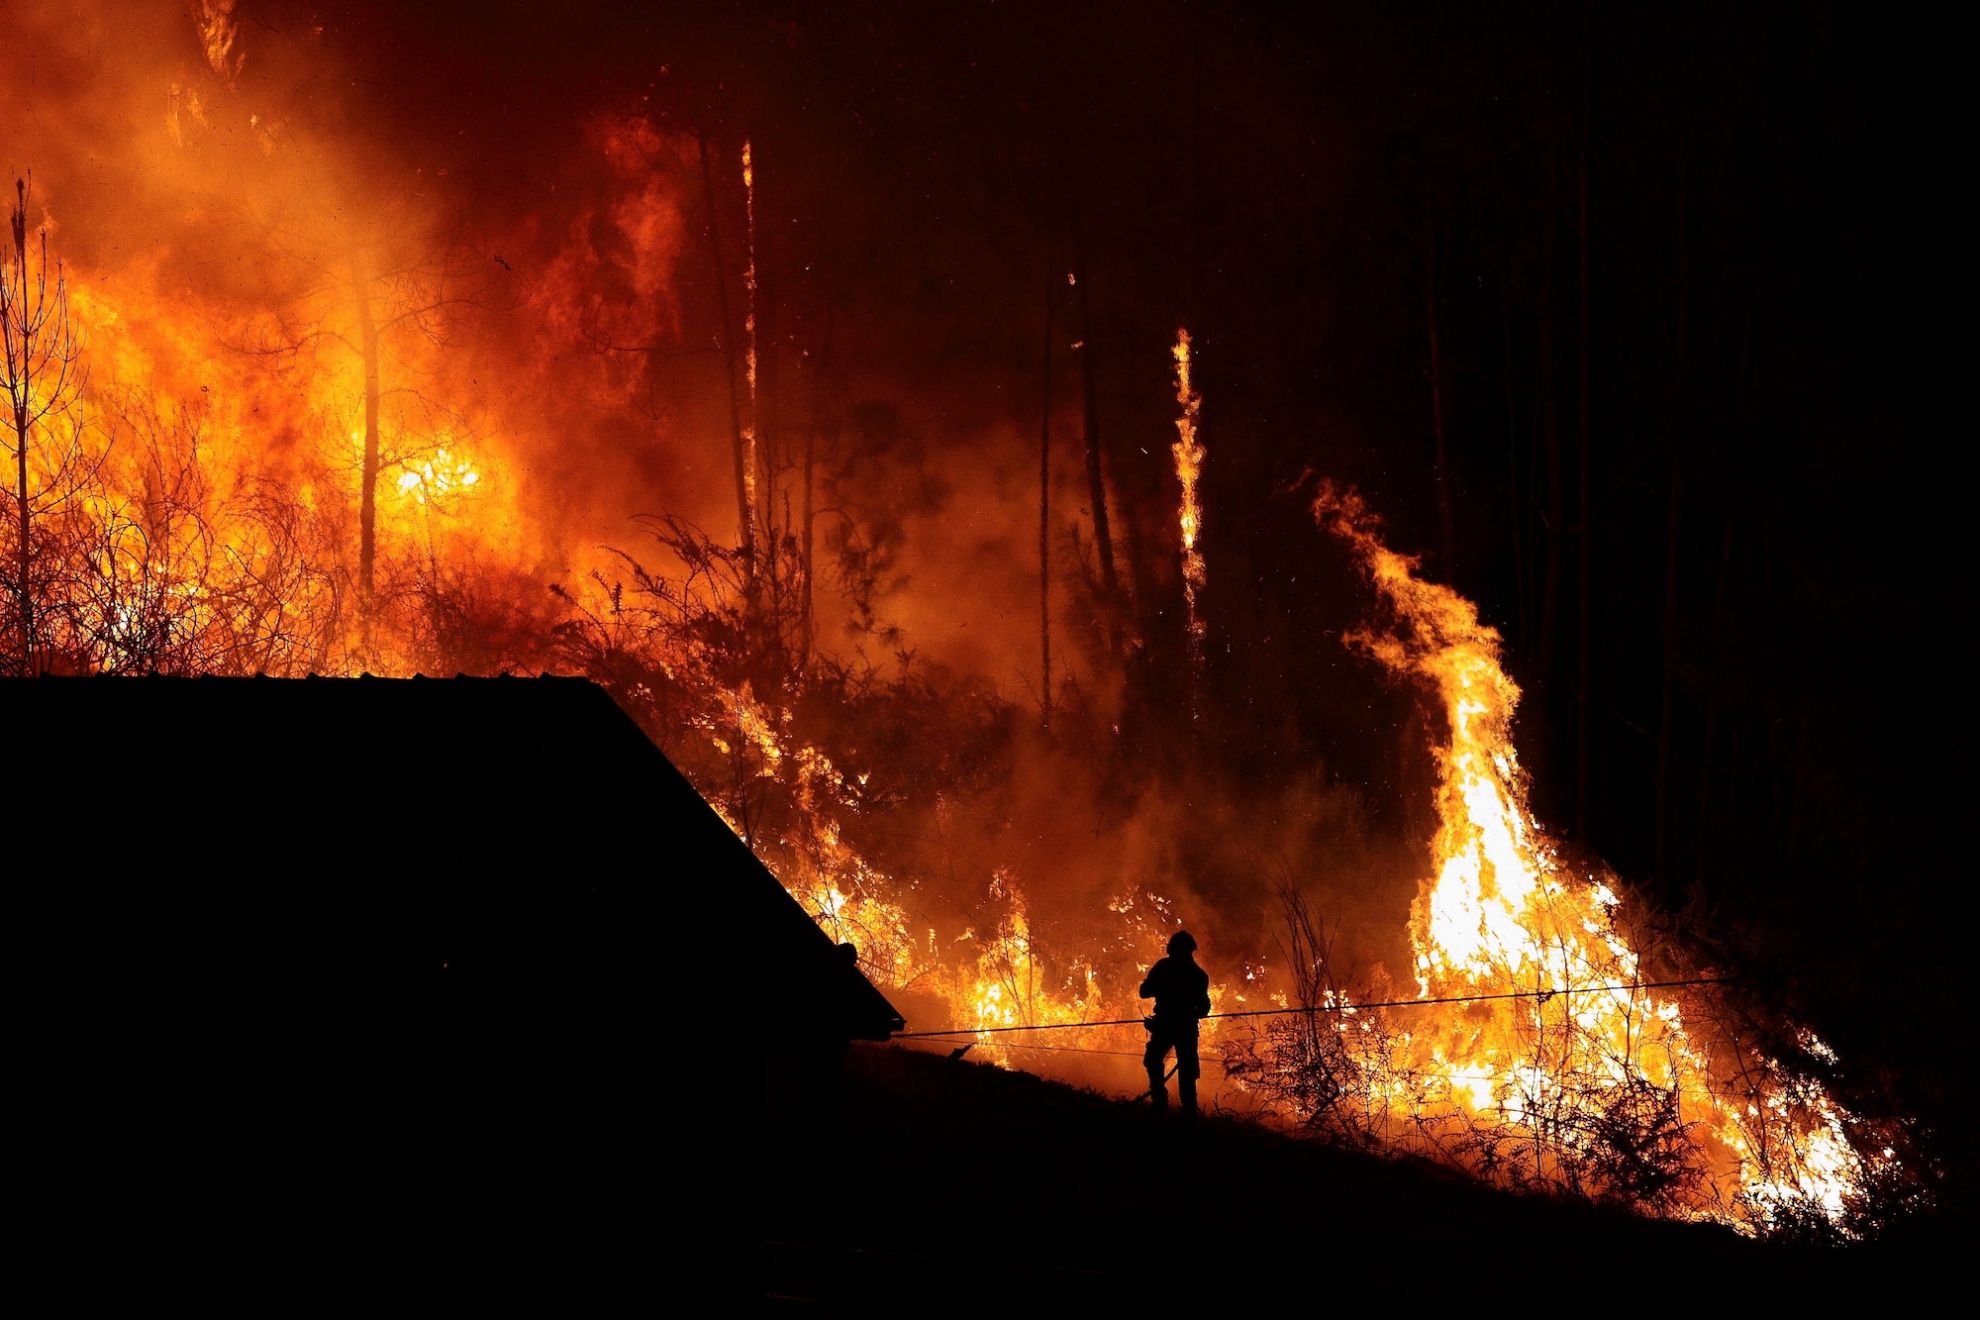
(1555, 1035)
(387, 445)
(1567, 1043)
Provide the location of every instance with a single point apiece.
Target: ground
(952, 1185)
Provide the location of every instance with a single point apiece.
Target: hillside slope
(958, 1186)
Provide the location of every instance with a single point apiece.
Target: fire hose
(1342, 1006)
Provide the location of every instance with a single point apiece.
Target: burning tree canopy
(703, 356)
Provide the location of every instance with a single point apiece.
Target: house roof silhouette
(420, 795)
(336, 984)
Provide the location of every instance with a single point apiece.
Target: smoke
(211, 177)
(554, 276)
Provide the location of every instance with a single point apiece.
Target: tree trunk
(1045, 519)
(1515, 500)
(16, 323)
(773, 519)
(824, 412)
(1722, 590)
(22, 589)
(1585, 504)
(1709, 743)
(38, 355)
(368, 475)
(1446, 519)
(1548, 419)
(805, 544)
(1667, 696)
(745, 522)
(1673, 529)
(1096, 479)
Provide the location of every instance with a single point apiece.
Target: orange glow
(1189, 454)
(1501, 910)
(749, 333)
(228, 516)
(995, 977)
(528, 413)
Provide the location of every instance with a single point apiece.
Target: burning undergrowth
(1569, 1044)
(308, 424)
(993, 876)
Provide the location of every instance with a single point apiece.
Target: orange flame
(1501, 910)
(992, 976)
(1189, 469)
(749, 329)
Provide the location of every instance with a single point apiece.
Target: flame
(1189, 454)
(219, 33)
(216, 534)
(994, 976)
(749, 330)
(436, 478)
(844, 892)
(237, 505)
(1013, 987)
(1500, 910)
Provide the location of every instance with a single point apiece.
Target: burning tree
(362, 301)
(130, 553)
(42, 375)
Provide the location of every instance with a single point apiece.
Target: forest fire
(1189, 470)
(722, 387)
(1545, 1050)
(751, 460)
(1595, 1076)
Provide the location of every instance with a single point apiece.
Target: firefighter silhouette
(1181, 991)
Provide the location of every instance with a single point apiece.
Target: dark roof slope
(361, 984)
(457, 789)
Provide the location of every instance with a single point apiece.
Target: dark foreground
(952, 1186)
(454, 995)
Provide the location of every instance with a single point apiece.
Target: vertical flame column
(749, 330)
(1189, 454)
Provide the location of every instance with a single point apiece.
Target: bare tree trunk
(1721, 612)
(805, 544)
(1446, 519)
(368, 475)
(745, 520)
(25, 560)
(1096, 480)
(1045, 519)
(1585, 504)
(1673, 528)
(19, 361)
(1514, 497)
(823, 410)
(22, 395)
(756, 458)
(43, 382)
(764, 345)
(1709, 743)
(1667, 695)
(1549, 421)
